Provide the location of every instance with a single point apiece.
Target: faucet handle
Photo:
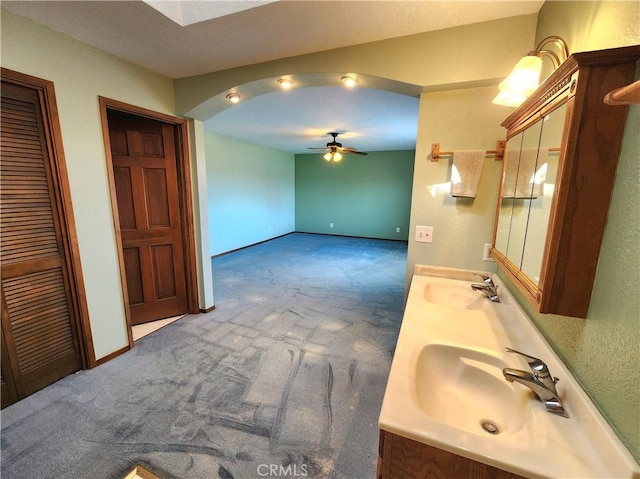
(538, 366)
(486, 280)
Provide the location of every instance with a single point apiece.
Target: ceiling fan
(334, 150)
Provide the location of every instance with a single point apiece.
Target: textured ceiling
(135, 31)
(189, 12)
(241, 33)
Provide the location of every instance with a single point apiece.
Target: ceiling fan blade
(354, 152)
(334, 146)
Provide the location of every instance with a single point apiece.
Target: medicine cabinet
(559, 167)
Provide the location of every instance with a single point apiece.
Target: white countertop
(443, 314)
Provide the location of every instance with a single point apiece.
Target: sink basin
(465, 389)
(446, 388)
(454, 294)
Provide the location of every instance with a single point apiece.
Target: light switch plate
(424, 234)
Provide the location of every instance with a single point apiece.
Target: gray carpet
(284, 379)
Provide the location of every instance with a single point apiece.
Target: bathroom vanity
(448, 410)
(404, 458)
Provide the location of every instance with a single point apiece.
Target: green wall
(603, 350)
(368, 196)
(460, 119)
(250, 192)
(80, 73)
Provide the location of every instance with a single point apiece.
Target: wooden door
(40, 340)
(143, 154)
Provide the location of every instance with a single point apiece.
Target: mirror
(528, 181)
(520, 189)
(505, 211)
(545, 180)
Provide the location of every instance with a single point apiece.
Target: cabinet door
(505, 208)
(540, 205)
(519, 187)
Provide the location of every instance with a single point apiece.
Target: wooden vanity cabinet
(587, 155)
(402, 458)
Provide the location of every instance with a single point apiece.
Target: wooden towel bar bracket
(498, 152)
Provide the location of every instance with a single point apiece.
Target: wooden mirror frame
(589, 152)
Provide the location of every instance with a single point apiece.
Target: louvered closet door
(40, 341)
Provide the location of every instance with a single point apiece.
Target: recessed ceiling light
(286, 83)
(233, 97)
(349, 81)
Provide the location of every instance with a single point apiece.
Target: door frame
(62, 197)
(181, 134)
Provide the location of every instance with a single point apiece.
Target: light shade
(333, 157)
(508, 99)
(525, 76)
(521, 82)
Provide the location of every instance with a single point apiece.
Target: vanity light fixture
(286, 83)
(525, 76)
(349, 81)
(233, 98)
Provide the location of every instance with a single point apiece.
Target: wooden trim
(116, 219)
(208, 310)
(64, 202)
(186, 204)
(186, 198)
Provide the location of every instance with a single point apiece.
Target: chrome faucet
(539, 380)
(488, 288)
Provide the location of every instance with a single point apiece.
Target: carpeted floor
(284, 379)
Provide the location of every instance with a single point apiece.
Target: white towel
(525, 179)
(466, 170)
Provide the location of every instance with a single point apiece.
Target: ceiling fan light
(333, 156)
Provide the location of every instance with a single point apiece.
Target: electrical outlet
(486, 254)
(397, 229)
(330, 225)
(424, 234)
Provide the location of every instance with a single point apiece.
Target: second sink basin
(454, 294)
(465, 389)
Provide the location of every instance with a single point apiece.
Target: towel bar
(498, 152)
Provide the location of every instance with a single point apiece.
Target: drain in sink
(490, 427)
